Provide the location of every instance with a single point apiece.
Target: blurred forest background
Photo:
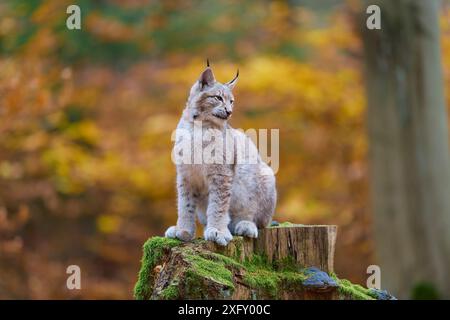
(86, 118)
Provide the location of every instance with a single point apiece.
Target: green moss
(257, 261)
(263, 280)
(286, 264)
(229, 262)
(153, 251)
(194, 285)
(170, 293)
(260, 275)
(267, 278)
(292, 277)
(213, 267)
(354, 291)
(199, 241)
(239, 246)
(196, 278)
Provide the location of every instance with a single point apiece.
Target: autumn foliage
(86, 118)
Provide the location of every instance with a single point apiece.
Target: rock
(381, 294)
(318, 280)
(274, 223)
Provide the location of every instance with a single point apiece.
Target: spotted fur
(226, 198)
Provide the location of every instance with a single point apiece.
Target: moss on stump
(200, 270)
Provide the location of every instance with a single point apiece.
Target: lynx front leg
(218, 206)
(185, 228)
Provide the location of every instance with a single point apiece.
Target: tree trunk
(408, 146)
(282, 263)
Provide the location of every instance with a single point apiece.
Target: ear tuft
(233, 82)
(207, 62)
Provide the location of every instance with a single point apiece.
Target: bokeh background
(86, 118)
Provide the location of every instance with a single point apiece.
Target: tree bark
(309, 246)
(408, 145)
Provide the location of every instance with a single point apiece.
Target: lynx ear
(233, 82)
(206, 78)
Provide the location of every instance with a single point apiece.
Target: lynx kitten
(228, 198)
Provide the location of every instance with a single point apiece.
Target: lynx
(227, 198)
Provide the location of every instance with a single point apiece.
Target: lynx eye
(218, 98)
(231, 101)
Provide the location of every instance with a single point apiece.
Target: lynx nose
(229, 112)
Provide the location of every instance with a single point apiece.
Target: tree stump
(285, 262)
(307, 245)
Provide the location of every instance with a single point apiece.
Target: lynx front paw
(183, 235)
(220, 237)
(247, 229)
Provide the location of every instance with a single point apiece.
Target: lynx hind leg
(267, 203)
(201, 216)
(201, 213)
(246, 228)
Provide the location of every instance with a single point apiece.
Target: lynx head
(210, 100)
